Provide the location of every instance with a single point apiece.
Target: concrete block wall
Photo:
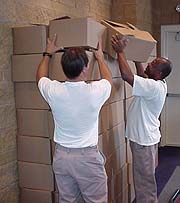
(164, 13)
(136, 12)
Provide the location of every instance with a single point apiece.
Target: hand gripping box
(84, 32)
(140, 44)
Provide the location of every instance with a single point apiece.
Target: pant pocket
(102, 157)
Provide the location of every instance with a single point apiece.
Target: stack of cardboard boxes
(35, 122)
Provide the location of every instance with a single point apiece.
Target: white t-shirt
(75, 107)
(143, 114)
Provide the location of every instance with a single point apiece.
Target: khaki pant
(78, 172)
(144, 172)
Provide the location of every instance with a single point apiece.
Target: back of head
(73, 61)
(165, 67)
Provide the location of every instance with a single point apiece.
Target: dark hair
(73, 61)
(165, 68)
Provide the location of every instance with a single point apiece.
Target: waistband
(83, 149)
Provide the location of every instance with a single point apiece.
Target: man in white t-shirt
(142, 129)
(77, 163)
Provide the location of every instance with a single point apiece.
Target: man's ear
(159, 75)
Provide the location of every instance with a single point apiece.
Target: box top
(128, 30)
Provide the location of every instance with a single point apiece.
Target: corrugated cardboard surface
(27, 96)
(35, 176)
(24, 67)
(33, 122)
(76, 32)
(34, 149)
(140, 44)
(116, 113)
(117, 92)
(35, 196)
(29, 39)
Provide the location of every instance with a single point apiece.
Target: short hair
(165, 68)
(73, 61)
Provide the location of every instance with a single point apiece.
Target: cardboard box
(29, 39)
(117, 92)
(24, 67)
(116, 113)
(119, 158)
(113, 66)
(35, 196)
(35, 176)
(120, 181)
(27, 96)
(33, 122)
(140, 44)
(103, 119)
(76, 32)
(117, 136)
(34, 149)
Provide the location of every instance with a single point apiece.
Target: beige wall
(163, 13)
(136, 12)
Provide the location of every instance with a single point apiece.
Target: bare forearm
(43, 68)
(104, 70)
(124, 68)
(140, 69)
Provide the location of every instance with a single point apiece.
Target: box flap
(62, 18)
(128, 30)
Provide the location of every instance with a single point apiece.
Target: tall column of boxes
(34, 134)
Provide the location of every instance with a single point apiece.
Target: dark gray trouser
(80, 171)
(144, 172)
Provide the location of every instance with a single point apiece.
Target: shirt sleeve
(102, 89)
(145, 87)
(44, 85)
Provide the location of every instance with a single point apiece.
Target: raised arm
(104, 70)
(140, 69)
(43, 68)
(118, 45)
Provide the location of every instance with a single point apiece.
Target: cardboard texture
(34, 149)
(24, 67)
(33, 122)
(140, 44)
(103, 119)
(116, 113)
(103, 143)
(113, 66)
(27, 96)
(76, 32)
(119, 158)
(120, 181)
(117, 92)
(35, 176)
(116, 136)
(30, 39)
(35, 196)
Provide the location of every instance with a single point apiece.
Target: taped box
(84, 32)
(140, 44)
